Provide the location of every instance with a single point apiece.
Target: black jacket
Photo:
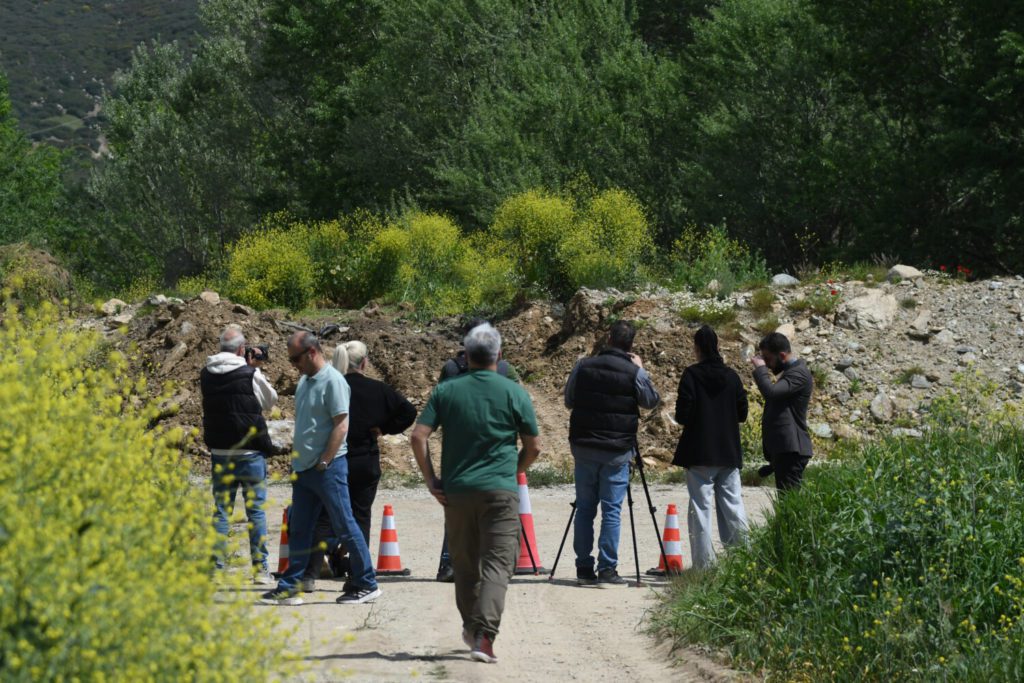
(459, 365)
(606, 410)
(374, 404)
(784, 424)
(711, 405)
(231, 410)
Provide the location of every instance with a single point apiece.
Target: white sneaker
(264, 578)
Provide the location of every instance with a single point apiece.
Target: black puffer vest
(605, 412)
(230, 409)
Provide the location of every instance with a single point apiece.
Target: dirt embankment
(170, 341)
(880, 356)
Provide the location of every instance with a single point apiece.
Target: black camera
(260, 352)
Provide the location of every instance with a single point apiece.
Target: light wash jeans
(604, 484)
(312, 490)
(724, 484)
(249, 472)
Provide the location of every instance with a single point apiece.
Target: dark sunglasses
(297, 357)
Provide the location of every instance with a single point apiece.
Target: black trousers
(363, 478)
(789, 470)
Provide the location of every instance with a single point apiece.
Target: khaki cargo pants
(483, 535)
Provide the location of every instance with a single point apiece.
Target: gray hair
(483, 345)
(232, 339)
(306, 341)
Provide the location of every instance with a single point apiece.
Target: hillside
(880, 356)
(59, 55)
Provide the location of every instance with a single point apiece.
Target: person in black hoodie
(711, 405)
(377, 409)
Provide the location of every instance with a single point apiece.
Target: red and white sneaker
(483, 650)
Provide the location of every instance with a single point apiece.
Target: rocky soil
(881, 352)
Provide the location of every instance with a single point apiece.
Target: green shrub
(768, 324)
(272, 267)
(348, 275)
(697, 258)
(708, 312)
(903, 562)
(822, 301)
(762, 300)
(104, 543)
(32, 276)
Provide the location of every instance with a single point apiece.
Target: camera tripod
(636, 466)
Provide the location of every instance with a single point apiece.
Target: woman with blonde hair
(377, 409)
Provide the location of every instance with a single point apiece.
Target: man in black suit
(784, 436)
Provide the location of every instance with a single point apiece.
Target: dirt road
(552, 630)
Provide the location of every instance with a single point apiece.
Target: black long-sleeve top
(374, 404)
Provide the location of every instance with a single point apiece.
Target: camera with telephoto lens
(260, 352)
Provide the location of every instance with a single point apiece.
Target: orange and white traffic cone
(529, 555)
(282, 557)
(389, 561)
(672, 561)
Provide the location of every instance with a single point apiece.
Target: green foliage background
(808, 130)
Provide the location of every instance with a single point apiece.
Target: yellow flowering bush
(272, 266)
(609, 243)
(104, 544)
(430, 263)
(532, 225)
(560, 243)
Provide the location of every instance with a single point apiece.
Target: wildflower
(942, 268)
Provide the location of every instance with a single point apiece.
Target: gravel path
(552, 630)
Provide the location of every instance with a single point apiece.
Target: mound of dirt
(170, 339)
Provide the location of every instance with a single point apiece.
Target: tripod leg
(529, 550)
(632, 528)
(654, 519)
(562, 544)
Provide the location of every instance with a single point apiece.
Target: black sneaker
(277, 597)
(358, 596)
(765, 471)
(610, 577)
(585, 576)
(445, 574)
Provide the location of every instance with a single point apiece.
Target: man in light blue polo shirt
(321, 475)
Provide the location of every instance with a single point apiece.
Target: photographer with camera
(235, 394)
(605, 393)
(784, 435)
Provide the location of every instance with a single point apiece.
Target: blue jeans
(311, 491)
(596, 482)
(249, 472)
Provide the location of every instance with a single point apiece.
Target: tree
(31, 190)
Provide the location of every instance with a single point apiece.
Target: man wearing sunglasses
(321, 475)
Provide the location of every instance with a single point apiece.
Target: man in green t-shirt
(483, 414)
